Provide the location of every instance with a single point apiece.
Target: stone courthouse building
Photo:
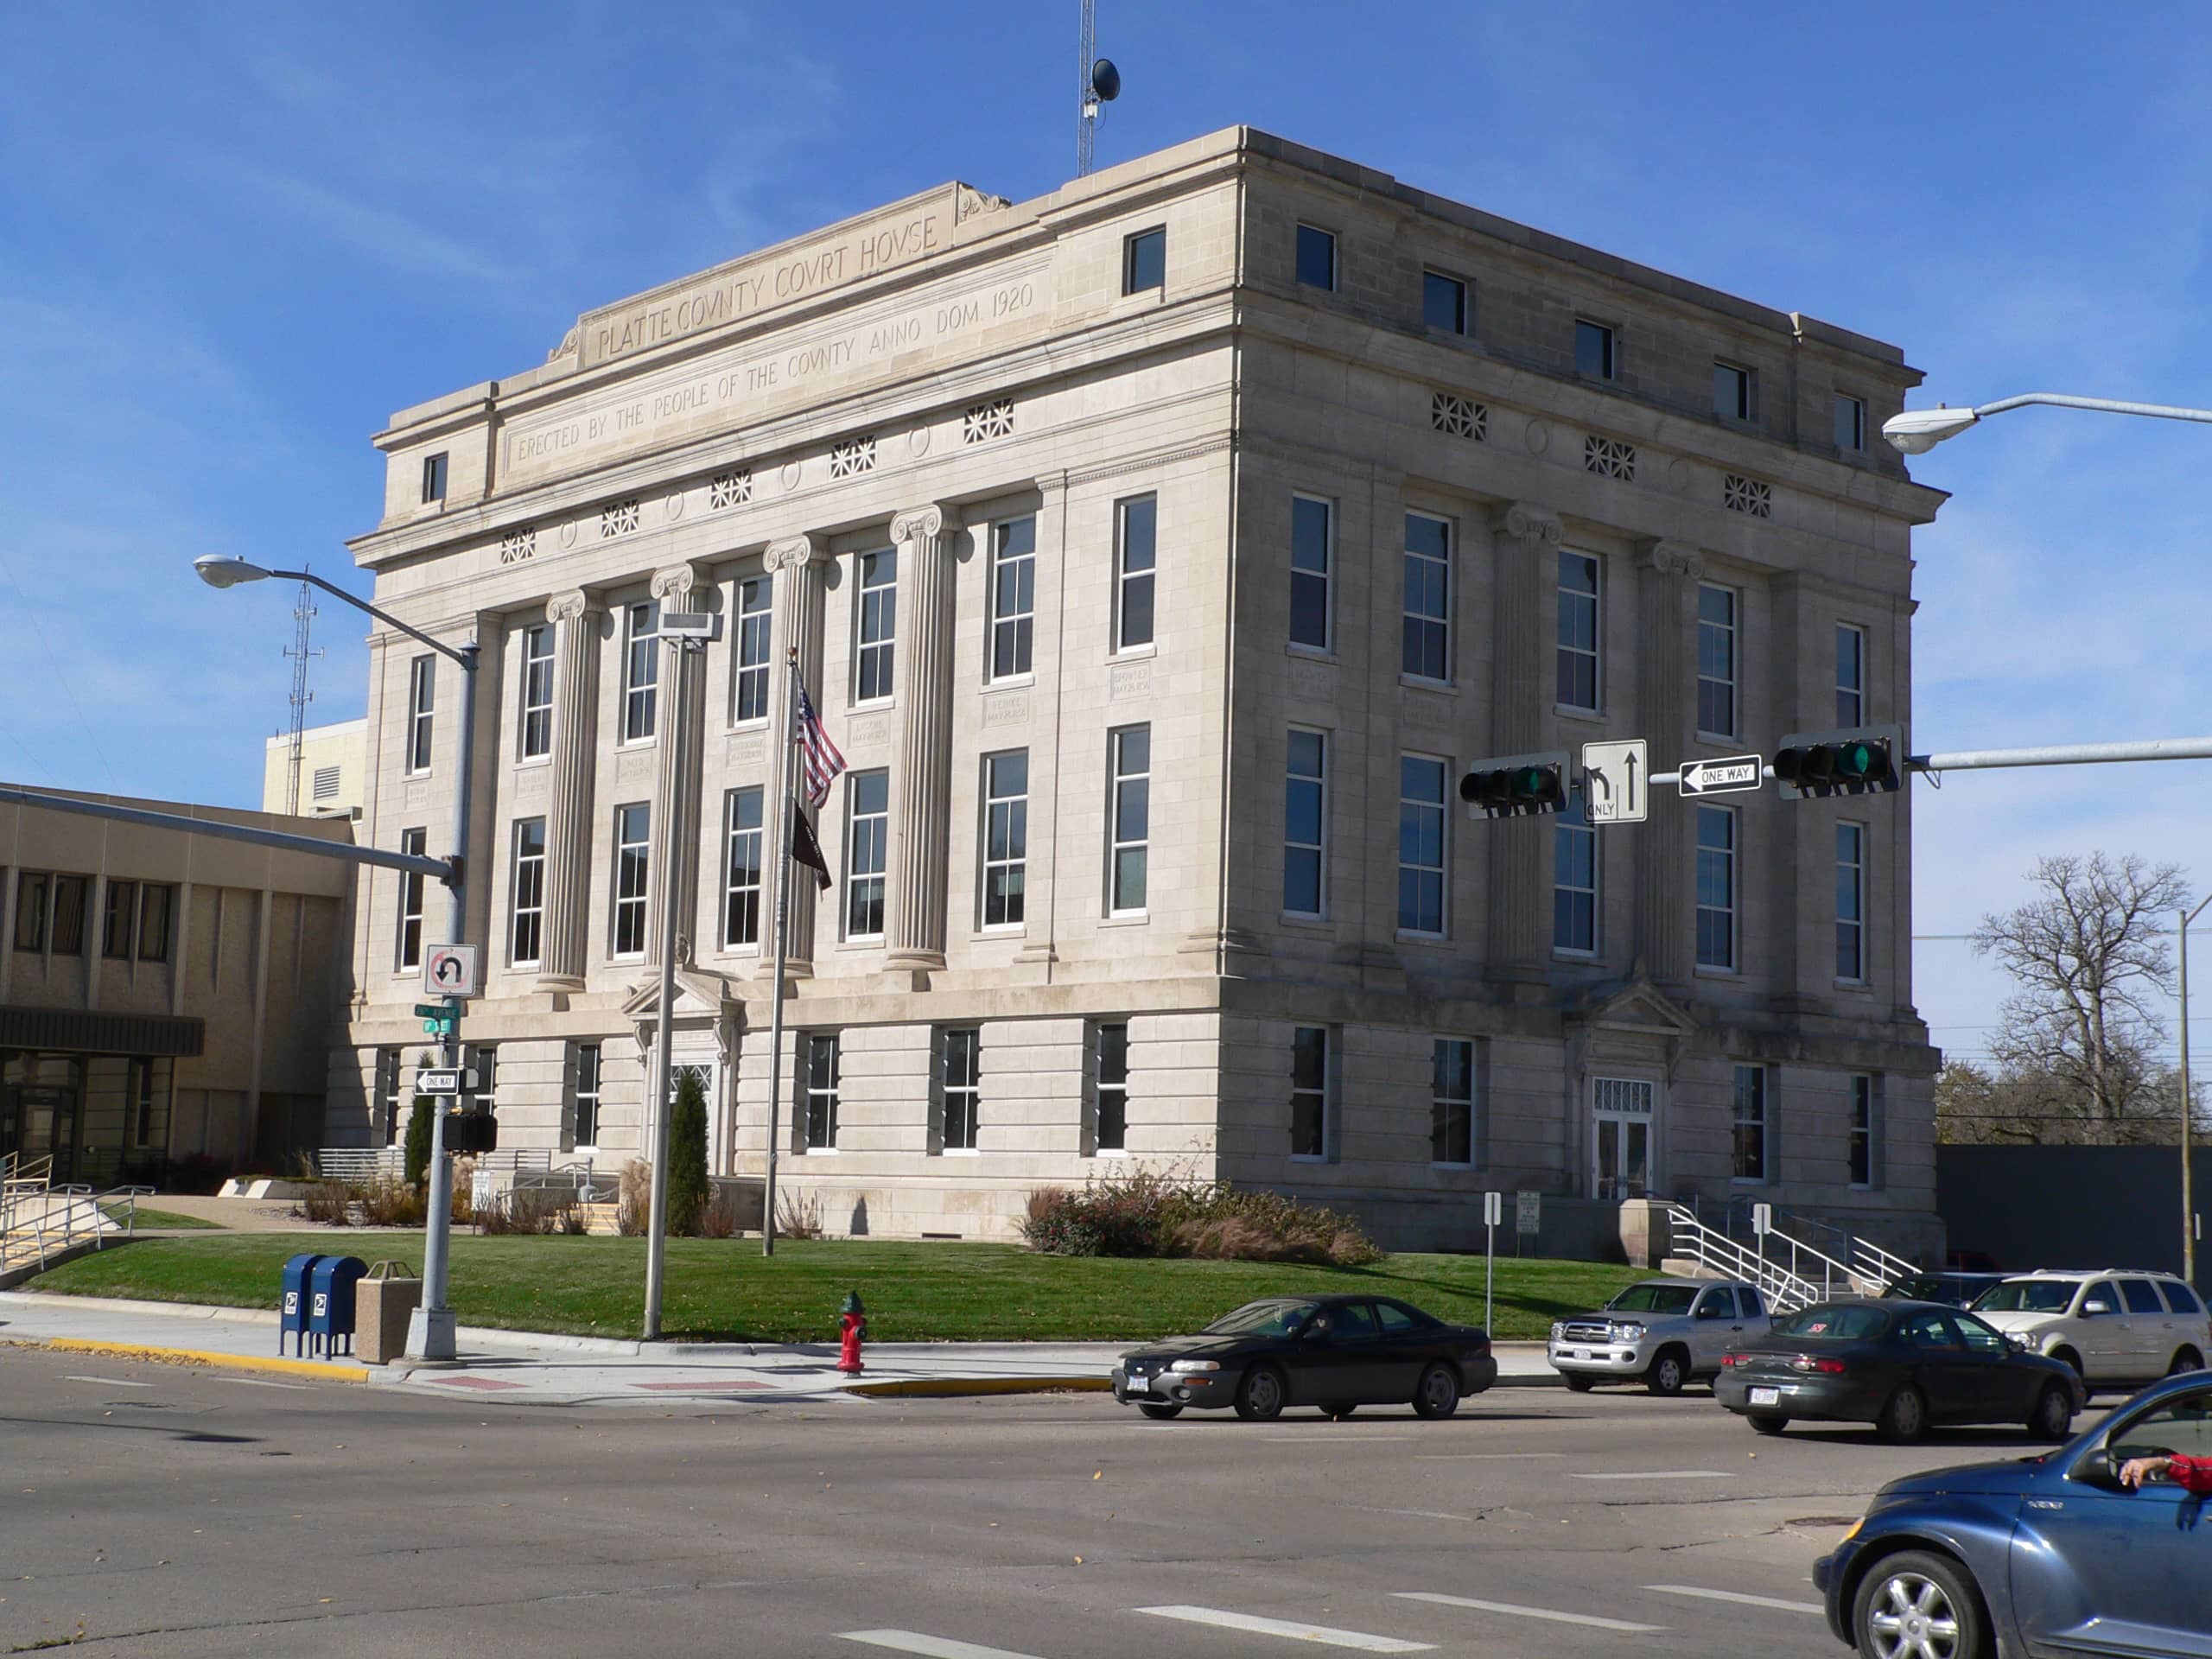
(1159, 552)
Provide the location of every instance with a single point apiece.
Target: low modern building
(164, 996)
(332, 760)
(1159, 552)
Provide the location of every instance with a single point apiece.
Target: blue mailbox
(332, 1294)
(296, 1300)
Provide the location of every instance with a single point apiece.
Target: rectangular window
(1420, 845)
(1144, 261)
(632, 872)
(434, 478)
(71, 895)
(874, 666)
(1131, 829)
(741, 868)
(641, 670)
(1731, 392)
(1716, 886)
(1444, 302)
(867, 834)
(415, 841)
(1309, 1091)
(1013, 596)
(1451, 1102)
(1716, 660)
(422, 704)
(1135, 529)
(526, 905)
(1006, 837)
(1305, 824)
(536, 738)
(1317, 257)
(1575, 882)
(1851, 902)
(1579, 683)
(32, 890)
(1593, 350)
(588, 1061)
(156, 904)
(1312, 555)
(962, 1090)
(821, 1091)
(1850, 675)
(1113, 1063)
(1750, 1123)
(142, 1094)
(1863, 1129)
(1850, 425)
(754, 613)
(391, 1112)
(115, 925)
(1427, 645)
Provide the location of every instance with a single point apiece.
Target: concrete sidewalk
(528, 1369)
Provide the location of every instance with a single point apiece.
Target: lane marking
(1314, 1439)
(1482, 1457)
(1659, 1474)
(112, 1383)
(1423, 1514)
(1546, 1613)
(1325, 1636)
(1738, 1595)
(930, 1647)
(264, 1383)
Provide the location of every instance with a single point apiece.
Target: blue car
(2049, 1555)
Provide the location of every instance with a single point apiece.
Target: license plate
(1577, 1353)
(1137, 1385)
(1766, 1397)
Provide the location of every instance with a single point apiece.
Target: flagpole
(783, 921)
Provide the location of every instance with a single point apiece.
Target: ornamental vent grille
(1609, 458)
(1742, 494)
(618, 518)
(516, 546)
(1458, 416)
(985, 420)
(729, 489)
(853, 456)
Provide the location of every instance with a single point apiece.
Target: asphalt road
(176, 1512)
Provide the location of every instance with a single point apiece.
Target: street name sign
(1726, 776)
(450, 970)
(1617, 787)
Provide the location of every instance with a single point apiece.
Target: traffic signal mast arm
(2059, 755)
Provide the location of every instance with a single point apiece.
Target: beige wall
(341, 749)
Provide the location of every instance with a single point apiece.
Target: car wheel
(1917, 1605)
(1668, 1372)
(1904, 1417)
(1259, 1395)
(2067, 1356)
(1766, 1422)
(2187, 1359)
(2054, 1413)
(1159, 1409)
(1338, 1410)
(1439, 1393)
(1579, 1382)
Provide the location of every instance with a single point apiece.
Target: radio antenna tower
(1101, 83)
(302, 622)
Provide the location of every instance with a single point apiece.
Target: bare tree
(2080, 1036)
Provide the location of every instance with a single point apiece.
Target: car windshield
(1838, 1323)
(1261, 1319)
(1654, 1299)
(1923, 1287)
(2025, 1296)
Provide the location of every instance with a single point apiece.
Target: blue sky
(233, 239)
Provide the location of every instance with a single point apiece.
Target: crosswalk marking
(1323, 1635)
(1739, 1596)
(1659, 1474)
(928, 1647)
(1546, 1613)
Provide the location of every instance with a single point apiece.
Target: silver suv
(1663, 1331)
(2115, 1326)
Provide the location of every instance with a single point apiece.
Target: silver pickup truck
(1662, 1332)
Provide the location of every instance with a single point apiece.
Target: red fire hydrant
(852, 1322)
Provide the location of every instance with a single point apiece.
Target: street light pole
(2188, 1107)
(1916, 431)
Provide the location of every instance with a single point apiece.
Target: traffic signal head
(468, 1132)
(1515, 785)
(1857, 760)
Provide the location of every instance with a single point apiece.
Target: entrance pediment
(1637, 1007)
(701, 998)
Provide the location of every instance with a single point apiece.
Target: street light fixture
(430, 1334)
(1918, 430)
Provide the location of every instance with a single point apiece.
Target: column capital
(675, 583)
(1526, 522)
(569, 606)
(920, 523)
(1674, 559)
(792, 553)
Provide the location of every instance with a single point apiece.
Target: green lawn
(147, 1217)
(721, 1289)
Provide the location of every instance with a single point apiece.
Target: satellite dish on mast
(1105, 81)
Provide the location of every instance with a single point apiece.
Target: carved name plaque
(745, 749)
(1006, 709)
(868, 731)
(1129, 680)
(1314, 682)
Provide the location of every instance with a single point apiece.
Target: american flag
(819, 761)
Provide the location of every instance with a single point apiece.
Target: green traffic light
(1854, 760)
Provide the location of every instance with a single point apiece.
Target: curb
(314, 1368)
(946, 1387)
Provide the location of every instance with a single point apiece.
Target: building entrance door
(48, 1114)
(1620, 1141)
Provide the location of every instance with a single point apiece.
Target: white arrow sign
(1723, 777)
(1618, 781)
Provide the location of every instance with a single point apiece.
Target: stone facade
(958, 426)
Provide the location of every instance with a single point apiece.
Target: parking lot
(178, 1512)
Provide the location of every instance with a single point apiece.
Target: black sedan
(1335, 1352)
(1901, 1366)
(1950, 1288)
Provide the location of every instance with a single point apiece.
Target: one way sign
(1723, 777)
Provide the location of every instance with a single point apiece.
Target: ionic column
(799, 569)
(1521, 689)
(921, 793)
(1666, 577)
(575, 618)
(678, 747)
